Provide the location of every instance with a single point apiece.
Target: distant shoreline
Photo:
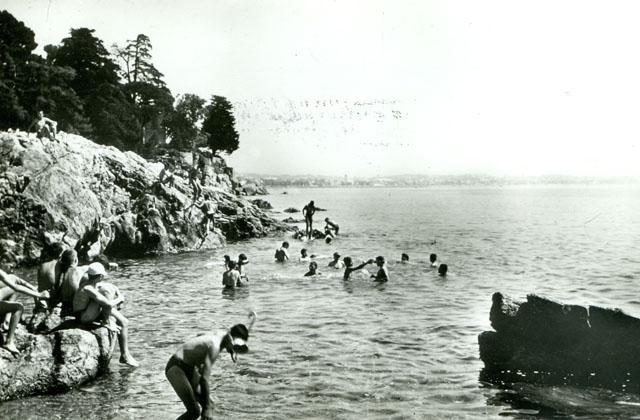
(415, 181)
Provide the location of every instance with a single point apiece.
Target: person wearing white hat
(90, 304)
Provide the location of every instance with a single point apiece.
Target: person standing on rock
(90, 304)
(209, 208)
(308, 211)
(195, 185)
(14, 309)
(189, 368)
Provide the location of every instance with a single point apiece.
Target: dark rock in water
(54, 362)
(292, 220)
(544, 341)
(291, 210)
(262, 204)
(101, 200)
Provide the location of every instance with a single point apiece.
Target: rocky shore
(544, 341)
(110, 202)
(54, 362)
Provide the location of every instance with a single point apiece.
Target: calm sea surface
(323, 348)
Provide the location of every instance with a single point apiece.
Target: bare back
(195, 351)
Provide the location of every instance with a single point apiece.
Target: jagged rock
(54, 362)
(544, 341)
(291, 210)
(107, 201)
(292, 220)
(262, 204)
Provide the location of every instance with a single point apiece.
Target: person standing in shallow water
(308, 211)
(189, 368)
(349, 268)
(382, 276)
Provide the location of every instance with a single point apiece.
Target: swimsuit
(184, 366)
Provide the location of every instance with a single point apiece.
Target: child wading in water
(189, 368)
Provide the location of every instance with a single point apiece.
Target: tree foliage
(118, 99)
(220, 126)
(184, 121)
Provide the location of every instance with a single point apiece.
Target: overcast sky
(393, 87)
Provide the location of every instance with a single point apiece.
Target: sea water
(324, 348)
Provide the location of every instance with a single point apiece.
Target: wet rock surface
(540, 340)
(55, 362)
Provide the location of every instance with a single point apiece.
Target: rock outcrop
(55, 362)
(544, 341)
(103, 200)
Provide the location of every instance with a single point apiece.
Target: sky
(379, 88)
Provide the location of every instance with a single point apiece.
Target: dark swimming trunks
(186, 368)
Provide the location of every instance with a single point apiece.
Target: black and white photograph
(319, 209)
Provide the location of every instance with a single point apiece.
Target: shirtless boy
(336, 263)
(281, 254)
(14, 309)
(349, 268)
(189, 369)
(308, 211)
(91, 304)
(382, 275)
(231, 277)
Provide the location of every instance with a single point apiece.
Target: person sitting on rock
(9, 308)
(47, 268)
(331, 226)
(349, 268)
(68, 277)
(231, 277)
(90, 304)
(313, 270)
(209, 208)
(166, 175)
(281, 254)
(336, 263)
(45, 127)
(382, 276)
(189, 368)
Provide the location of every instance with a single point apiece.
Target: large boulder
(56, 362)
(105, 201)
(540, 340)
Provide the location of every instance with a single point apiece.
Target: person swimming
(433, 260)
(336, 263)
(442, 270)
(304, 256)
(331, 226)
(404, 258)
(281, 254)
(349, 268)
(189, 368)
(231, 277)
(242, 260)
(313, 269)
(382, 275)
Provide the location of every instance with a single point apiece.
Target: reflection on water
(325, 348)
